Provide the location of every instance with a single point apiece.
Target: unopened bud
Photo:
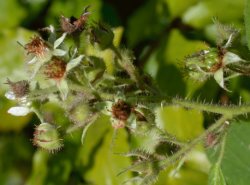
(47, 137)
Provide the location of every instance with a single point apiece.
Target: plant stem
(233, 109)
(40, 117)
(193, 143)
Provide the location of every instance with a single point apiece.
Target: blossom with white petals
(42, 51)
(24, 106)
(57, 69)
(19, 91)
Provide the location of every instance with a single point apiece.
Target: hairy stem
(233, 109)
(193, 143)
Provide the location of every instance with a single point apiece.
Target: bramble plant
(72, 67)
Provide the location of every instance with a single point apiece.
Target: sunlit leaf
(183, 124)
(247, 22)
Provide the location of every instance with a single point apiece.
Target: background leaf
(235, 163)
(247, 22)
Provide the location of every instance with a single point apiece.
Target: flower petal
(74, 62)
(51, 29)
(230, 58)
(19, 111)
(63, 88)
(60, 40)
(59, 52)
(219, 78)
(36, 69)
(10, 95)
(32, 61)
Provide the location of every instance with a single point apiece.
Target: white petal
(32, 61)
(10, 95)
(19, 111)
(60, 40)
(219, 78)
(36, 69)
(231, 58)
(74, 62)
(51, 28)
(59, 52)
(63, 88)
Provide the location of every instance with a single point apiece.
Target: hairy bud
(55, 69)
(47, 137)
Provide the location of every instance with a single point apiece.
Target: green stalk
(193, 143)
(231, 110)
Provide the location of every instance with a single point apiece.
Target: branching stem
(194, 142)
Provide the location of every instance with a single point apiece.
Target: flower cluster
(78, 80)
(79, 68)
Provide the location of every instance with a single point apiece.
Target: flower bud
(47, 137)
(55, 69)
(121, 110)
(200, 65)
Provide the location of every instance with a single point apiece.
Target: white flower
(19, 111)
(39, 60)
(10, 95)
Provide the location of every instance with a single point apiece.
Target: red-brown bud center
(55, 69)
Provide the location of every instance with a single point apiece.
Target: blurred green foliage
(161, 33)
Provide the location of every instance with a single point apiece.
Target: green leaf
(76, 8)
(247, 22)
(149, 20)
(236, 159)
(97, 157)
(174, 53)
(182, 123)
(185, 176)
(11, 13)
(202, 13)
(235, 163)
(177, 7)
(12, 55)
(216, 176)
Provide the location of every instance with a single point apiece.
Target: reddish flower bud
(55, 69)
(121, 110)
